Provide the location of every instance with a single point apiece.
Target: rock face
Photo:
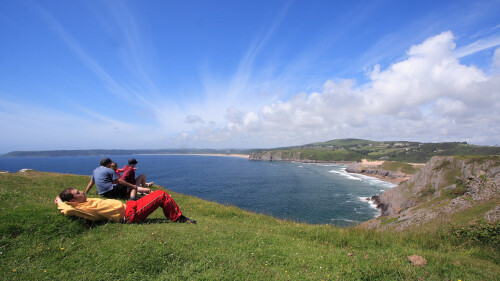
(357, 168)
(287, 156)
(445, 186)
(271, 156)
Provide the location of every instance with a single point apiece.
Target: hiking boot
(184, 219)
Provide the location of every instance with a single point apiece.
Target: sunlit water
(313, 193)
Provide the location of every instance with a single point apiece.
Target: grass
(399, 166)
(38, 243)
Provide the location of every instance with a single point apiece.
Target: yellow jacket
(94, 209)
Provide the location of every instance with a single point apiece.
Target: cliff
(307, 156)
(393, 175)
(446, 188)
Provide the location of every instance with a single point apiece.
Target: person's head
(72, 195)
(113, 166)
(106, 162)
(132, 161)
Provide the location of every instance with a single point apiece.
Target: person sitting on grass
(72, 202)
(110, 185)
(129, 175)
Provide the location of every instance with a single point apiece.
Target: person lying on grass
(72, 202)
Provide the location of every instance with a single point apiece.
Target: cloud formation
(428, 96)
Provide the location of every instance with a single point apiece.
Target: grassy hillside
(38, 243)
(400, 167)
(403, 151)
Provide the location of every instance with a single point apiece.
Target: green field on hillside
(402, 151)
(38, 243)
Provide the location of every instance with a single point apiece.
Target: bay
(312, 193)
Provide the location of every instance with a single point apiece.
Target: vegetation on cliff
(446, 190)
(357, 149)
(38, 243)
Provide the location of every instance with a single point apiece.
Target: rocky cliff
(374, 171)
(445, 188)
(293, 156)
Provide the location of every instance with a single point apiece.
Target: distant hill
(91, 152)
(329, 151)
(357, 149)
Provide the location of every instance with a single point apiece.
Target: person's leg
(132, 192)
(118, 191)
(142, 208)
(142, 184)
(141, 180)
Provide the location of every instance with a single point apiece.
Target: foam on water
(371, 204)
(345, 174)
(370, 180)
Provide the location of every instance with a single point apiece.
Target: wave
(372, 205)
(370, 180)
(347, 220)
(369, 202)
(345, 174)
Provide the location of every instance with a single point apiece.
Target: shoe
(150, 184)
(184, 219)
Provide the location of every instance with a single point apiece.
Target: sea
(301, 192)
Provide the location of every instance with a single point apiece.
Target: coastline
(203, 154)
(364, 162)
(395, 181)
(374, 164)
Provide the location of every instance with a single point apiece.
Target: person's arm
(89, 186)
(69, 210)
(124, 183)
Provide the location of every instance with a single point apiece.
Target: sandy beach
(365, 162)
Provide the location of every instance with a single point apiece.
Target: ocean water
(312, 193)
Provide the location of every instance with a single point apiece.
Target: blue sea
(312, 193)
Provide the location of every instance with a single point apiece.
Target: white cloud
(193, 119)
(496, 58)
(427, 96)
(478, 45)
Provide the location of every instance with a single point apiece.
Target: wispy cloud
(430, 94)
(477, 46)
(89, 62)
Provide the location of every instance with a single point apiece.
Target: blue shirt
(104, 179)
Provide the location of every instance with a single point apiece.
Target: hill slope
(38, 243)
(357, 149)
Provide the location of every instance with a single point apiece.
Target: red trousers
(139, 210)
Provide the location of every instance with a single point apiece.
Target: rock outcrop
(444, 187)
(373, 171)
(288, 156)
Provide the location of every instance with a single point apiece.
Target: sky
(246, 74)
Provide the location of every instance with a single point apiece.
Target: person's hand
(57, 200)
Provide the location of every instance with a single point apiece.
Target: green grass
(38, 243)
(401, 151)
(399, 166)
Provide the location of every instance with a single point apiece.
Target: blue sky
(246, 74)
